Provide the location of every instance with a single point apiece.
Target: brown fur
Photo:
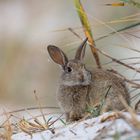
(102, 81)
(72, 100)
(79, 87)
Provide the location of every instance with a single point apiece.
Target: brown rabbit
(79, 87)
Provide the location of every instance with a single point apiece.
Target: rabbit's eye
(69, 69)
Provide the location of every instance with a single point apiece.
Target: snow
(85, 130)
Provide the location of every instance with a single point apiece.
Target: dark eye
(69, 69)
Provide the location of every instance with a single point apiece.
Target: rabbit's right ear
(80, 53)
(57, 55)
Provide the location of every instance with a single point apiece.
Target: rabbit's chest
(71, 95)
(72, 92)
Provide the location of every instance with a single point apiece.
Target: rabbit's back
(106, 85)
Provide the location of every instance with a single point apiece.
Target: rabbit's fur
(79, 87)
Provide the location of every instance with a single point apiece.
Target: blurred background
(28, 26)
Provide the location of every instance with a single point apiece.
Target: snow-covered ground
(94, 128)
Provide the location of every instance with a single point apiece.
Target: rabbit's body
(73, 90)
(106, 85)
(103, 85)
(79, 87)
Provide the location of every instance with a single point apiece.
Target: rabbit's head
(74, 71)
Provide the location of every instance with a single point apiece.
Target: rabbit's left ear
(80, 53)
(57, 55)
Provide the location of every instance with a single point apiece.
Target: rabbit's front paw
(74, 116)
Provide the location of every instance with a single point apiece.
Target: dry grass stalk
(87, 30)
(125, 79)
(122, 59)
(115, 4)
(27, 126)
(37, 126)
(112, 116)
(2, 125)
(128, 108)
(130, 18)
(71, 30)
(8, 130)
(120, 30)
(117, 61)
(30, 128)
(126, 47)
(113, 60)
(30, 108)
(134, 122)
(37, 99)
(133, 84)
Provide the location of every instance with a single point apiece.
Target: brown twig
(5, 121)
(8, 128)
(117, 61)
(122, 59)
(113, 59)
(56, 120)
(124, 78)
(30, 108)
(73, 32)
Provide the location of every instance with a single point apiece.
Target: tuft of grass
(36, 126)
(97, 109)
(93, 111)
(30, 128)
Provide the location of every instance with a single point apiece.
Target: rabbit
(80, 87)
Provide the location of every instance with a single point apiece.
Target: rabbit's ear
(80, 53)
(57, 55)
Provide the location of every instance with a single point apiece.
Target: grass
(28, 126)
